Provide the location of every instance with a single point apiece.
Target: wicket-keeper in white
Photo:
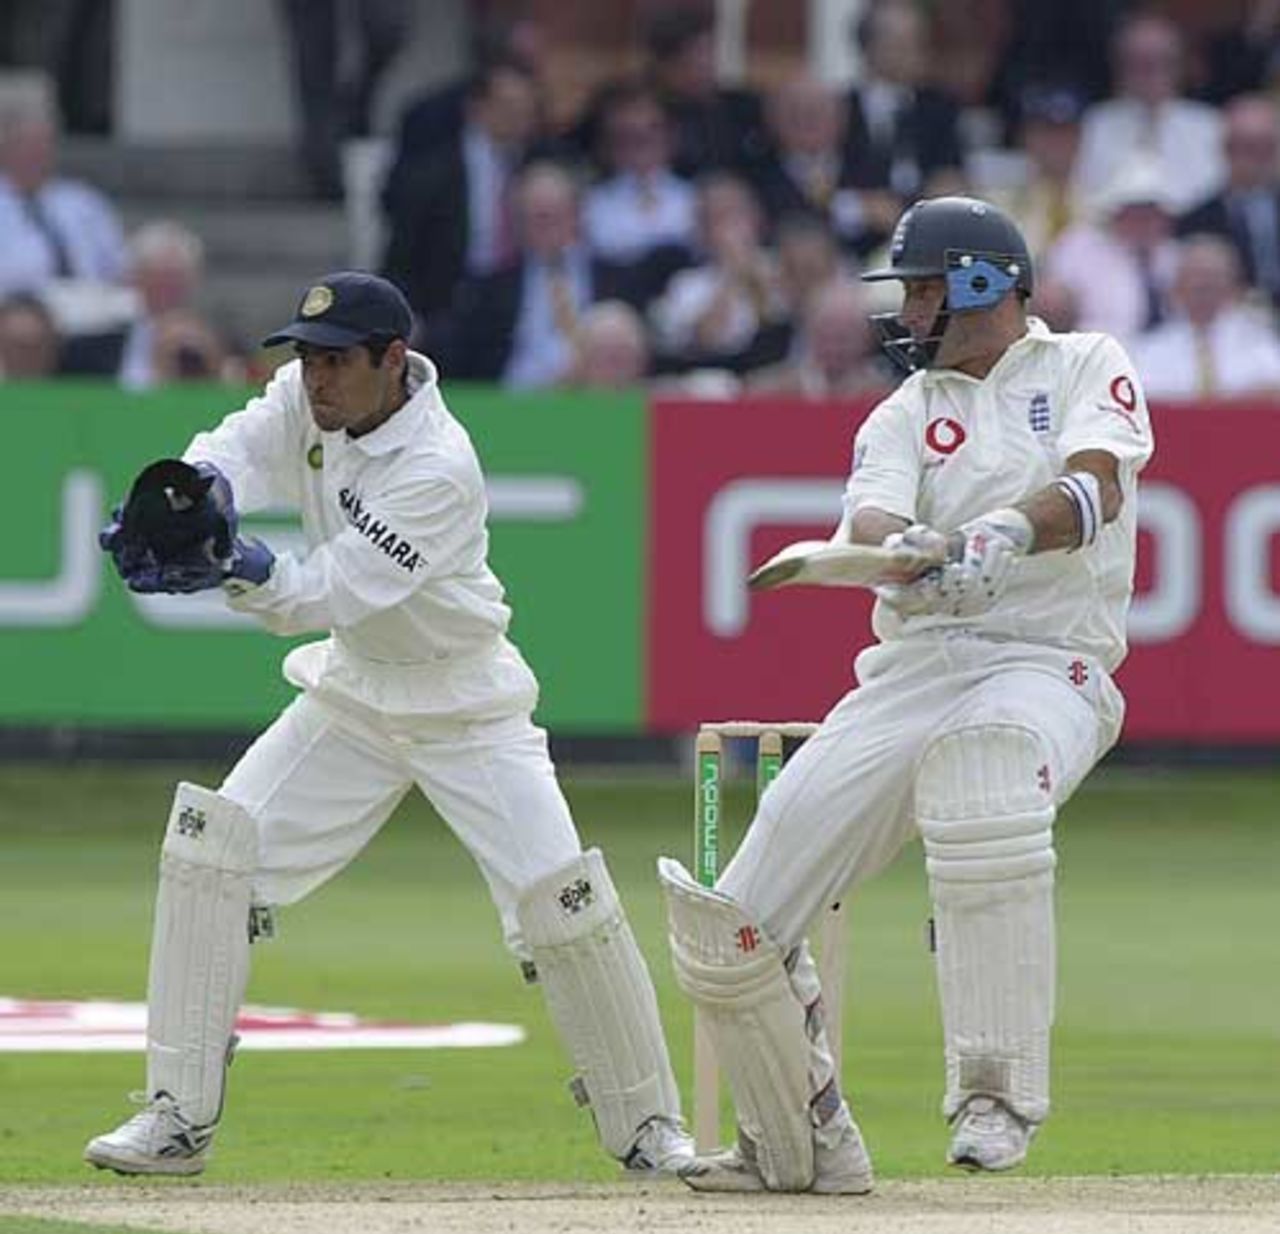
(987, 699)
(417, 683)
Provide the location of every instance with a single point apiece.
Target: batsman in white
(417, 683)
(985, 702)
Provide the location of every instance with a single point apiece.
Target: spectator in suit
(432, 119)
(28, 339)
(901, 131)
(449, 213)
(811, 168)
(714, 126)
(611, 349)
(52, 228)
(519, 325)
(1046, 202)
(1213, 344)
(1149, 118)
(642, 205)
(1247, 211)
(1120, 268)
(835, 353)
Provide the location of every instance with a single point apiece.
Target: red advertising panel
(733, 482)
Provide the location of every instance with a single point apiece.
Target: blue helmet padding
(977, 283)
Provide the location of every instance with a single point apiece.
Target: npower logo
(1182, 554)
(69, 595)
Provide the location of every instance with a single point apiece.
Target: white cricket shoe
(843, 1169)
(988, 1135)
(157, 1140)
(662, 1147)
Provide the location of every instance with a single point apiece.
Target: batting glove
(989, 547)
(921, 595)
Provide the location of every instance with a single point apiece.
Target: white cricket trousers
(322, 780)
(843, 805)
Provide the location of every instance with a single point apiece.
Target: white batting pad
(734, 973)
(600, 997)
(199, 950)
(986, 814)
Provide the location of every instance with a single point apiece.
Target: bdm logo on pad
(28, 1026)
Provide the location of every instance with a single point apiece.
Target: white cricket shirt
(945, 448)
(396, 567)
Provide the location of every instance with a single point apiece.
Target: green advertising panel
(566, 475)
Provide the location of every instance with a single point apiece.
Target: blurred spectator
(1148, 118)
(713, 313)
(611, 348)
(901, 131)
(432, 119)
(1045, 202)
(51, 227)
(811, 167)
(1247, 211)
(1120, 268)
(1212, 344)
(166, 268)
(835, 351)
(519, 324)
(322, 35)
(808, 259)
(185, 347)
(449, 213)
(1055, 304)
(28, 339)
(714, 126)
(643, 204)
(1242, 55)
(1063, 41)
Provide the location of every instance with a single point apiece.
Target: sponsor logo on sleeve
(396, 547)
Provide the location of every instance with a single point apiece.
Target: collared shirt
(1184, 138)
(489, 239)
(945, 448)
(624, 218)
(543, 351)
(396, 561)
(1243, 357)
(86, 225)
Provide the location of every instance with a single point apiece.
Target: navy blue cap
(1053, 104)
(346, 308)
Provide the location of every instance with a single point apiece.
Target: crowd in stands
(708, 239)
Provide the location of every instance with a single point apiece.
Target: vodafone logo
(48, 1027)
(1123, 393)
(944, 435)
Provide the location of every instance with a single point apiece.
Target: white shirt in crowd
(946, 447)
(1183, 137)
(1237, 353)
(396, 565)
(1107, 281)
(690, 293)
(63, 214)
(625, 217)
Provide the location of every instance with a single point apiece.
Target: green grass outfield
(1167, 1050)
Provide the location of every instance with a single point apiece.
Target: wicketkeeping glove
(176, 531)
